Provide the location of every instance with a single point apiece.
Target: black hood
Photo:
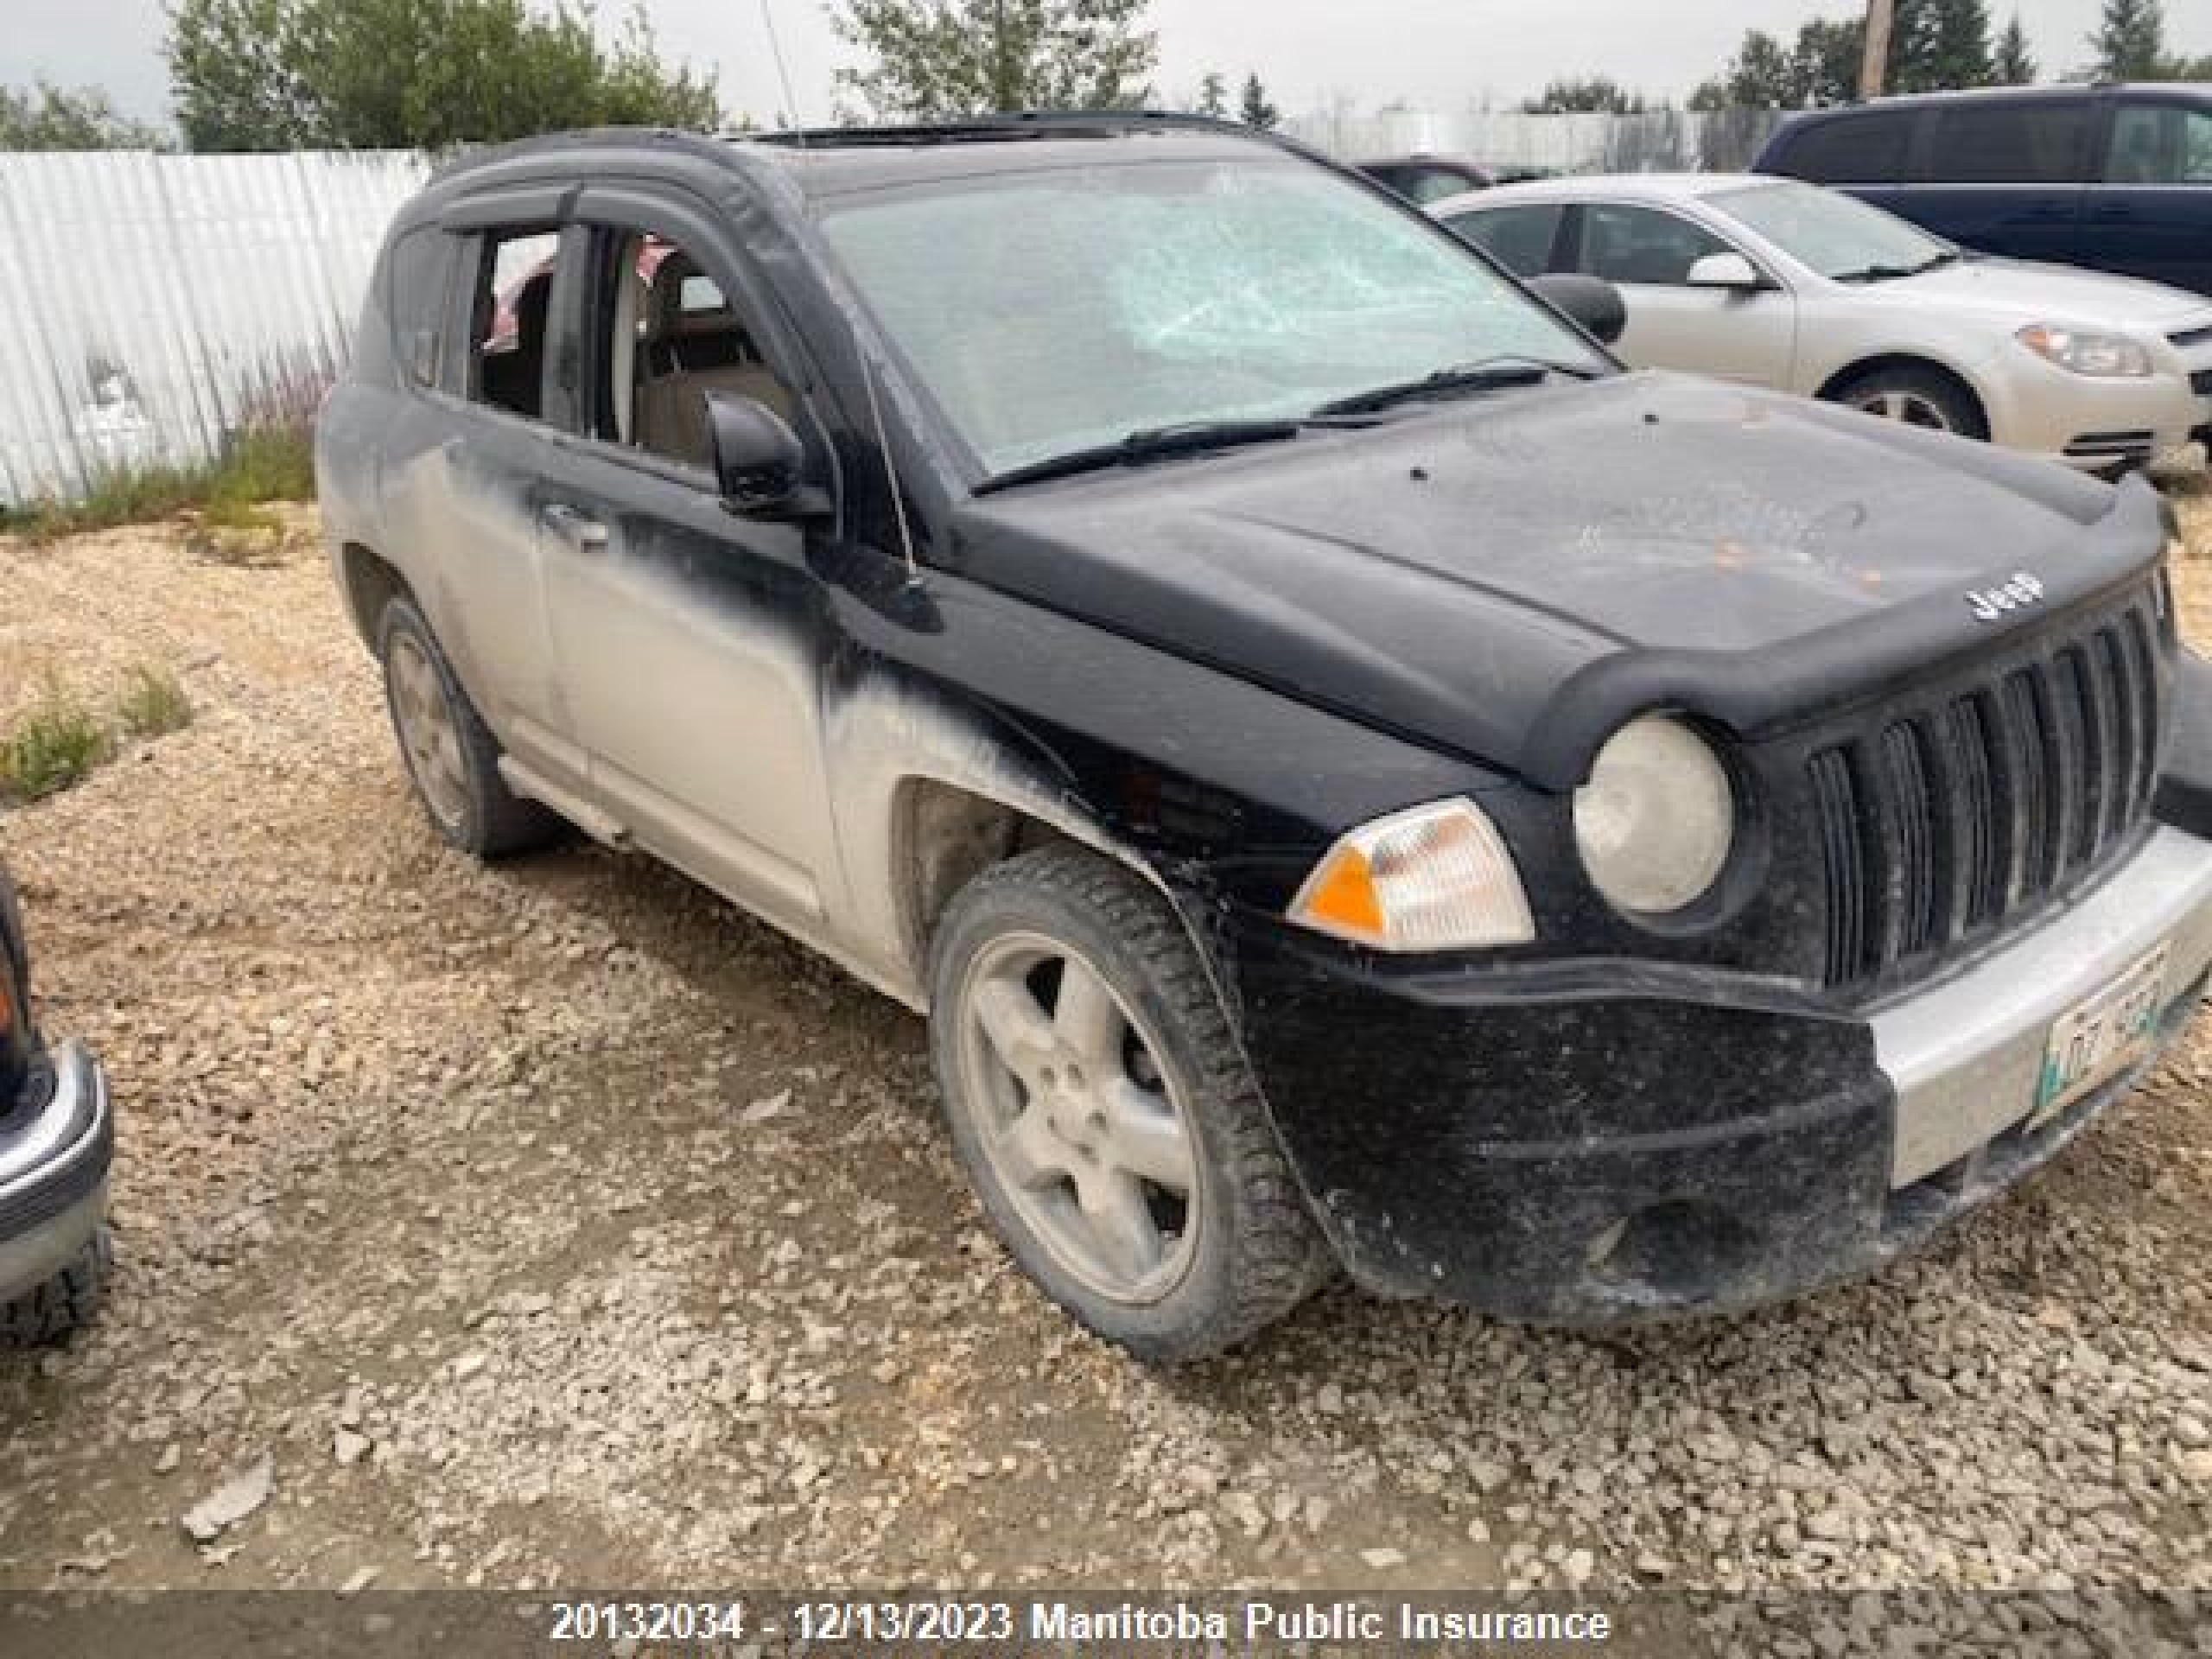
(1510, 577)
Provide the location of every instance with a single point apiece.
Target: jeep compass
(1352, 777)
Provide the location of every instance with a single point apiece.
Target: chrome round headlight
(1656, 822)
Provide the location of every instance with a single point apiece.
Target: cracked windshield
(1113, 300)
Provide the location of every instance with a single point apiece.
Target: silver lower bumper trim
(1964, 1056)
(71, 1117)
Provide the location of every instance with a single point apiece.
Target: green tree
(2012, 64)
(1821, 66)
(1597, 94)
(929, 60)
(1255, 109)
(2131, 40)
(1827, 59)
(1939, 44)
(1933, 43)
(232, 71)
(638, 89)
(285, 74)
(1213, 95)
(1762, 76)
(48, 118)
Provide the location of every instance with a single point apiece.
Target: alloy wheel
(1892, 403)
(1085, 1132)
(427, 731)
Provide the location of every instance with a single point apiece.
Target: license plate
(2100, 1035)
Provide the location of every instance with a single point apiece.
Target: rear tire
(451, 756)
(1916, 397)
(66, 1302)
(1102, 1106)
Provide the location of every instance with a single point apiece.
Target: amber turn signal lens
(1343, 894)
(1436, 877)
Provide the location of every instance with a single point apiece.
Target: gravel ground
(554, 1225)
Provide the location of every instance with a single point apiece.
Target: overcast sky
(1440, 54)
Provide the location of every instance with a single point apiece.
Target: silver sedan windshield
(1051, 311)
(1839, 236)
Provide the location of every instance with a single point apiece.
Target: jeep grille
(1947, 820)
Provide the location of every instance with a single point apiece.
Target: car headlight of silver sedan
(1656, 821)
(2084, 351)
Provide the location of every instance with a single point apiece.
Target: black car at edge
(57, 1137)
(1424, 179)
(1354, 777)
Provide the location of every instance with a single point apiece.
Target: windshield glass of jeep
(1055, 311)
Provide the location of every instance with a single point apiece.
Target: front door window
(671, 336)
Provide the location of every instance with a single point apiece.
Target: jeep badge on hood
(1988, 604)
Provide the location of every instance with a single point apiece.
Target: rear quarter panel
(351, 425)
(345, 465)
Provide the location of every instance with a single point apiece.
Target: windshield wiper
(1890, 273)
(1152, 443)
(1487, 374)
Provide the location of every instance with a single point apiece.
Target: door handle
(574, 526)
(2113, 212)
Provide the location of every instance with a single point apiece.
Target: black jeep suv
(1351, 775)
(56, 1138)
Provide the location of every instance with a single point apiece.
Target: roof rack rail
(1013, 125)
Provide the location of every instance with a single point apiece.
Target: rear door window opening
(510, 320)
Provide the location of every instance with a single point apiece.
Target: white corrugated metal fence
(1656, 141)
(150, 306)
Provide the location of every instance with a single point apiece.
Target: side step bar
(588, 819)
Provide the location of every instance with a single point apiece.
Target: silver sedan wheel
(427, 731)
(1086, 1134)
(1892, 403)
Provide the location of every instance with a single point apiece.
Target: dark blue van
(2117, 178)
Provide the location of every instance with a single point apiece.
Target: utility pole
(1874, 67)
(1003, 67)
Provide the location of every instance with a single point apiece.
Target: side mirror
(1726, 271)
(1591, 304)
(757, 458)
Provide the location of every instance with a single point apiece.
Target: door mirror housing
(1593, 304)
(1730, 270)
(757, 459)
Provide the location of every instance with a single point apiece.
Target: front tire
(1102, 1106)
(1922, 397)
(452, 757)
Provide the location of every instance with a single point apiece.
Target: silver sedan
(1787, 285)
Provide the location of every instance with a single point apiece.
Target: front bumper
(1589, 1147)
(56, 1151)
(2087, 422)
